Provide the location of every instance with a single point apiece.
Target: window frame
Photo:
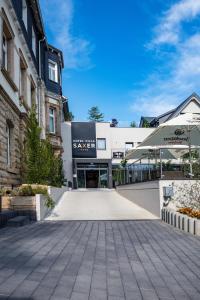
(53, 117)
(33, 40)
(53, 69)
(4, 52)
(24, 14)
(128, 143)
(101, 139)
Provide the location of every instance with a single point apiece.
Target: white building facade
(92, 150)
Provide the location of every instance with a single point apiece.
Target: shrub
(190, 212)
(26, 191)
(49, 202)
(185, 210)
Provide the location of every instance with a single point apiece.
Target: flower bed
(194, 213)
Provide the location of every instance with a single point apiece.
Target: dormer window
(33, 41)
(24, 12)
(53, 71)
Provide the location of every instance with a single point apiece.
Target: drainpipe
(39, 79)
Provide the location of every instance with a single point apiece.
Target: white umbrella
(180, 131)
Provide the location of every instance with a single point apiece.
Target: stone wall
(10, 174)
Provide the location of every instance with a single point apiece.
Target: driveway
(97, 205)
(99, 260)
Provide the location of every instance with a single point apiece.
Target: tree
(133, 124)
(114, 123)
(68, 116)
(41, 166)
(145, 124)
(95, 114)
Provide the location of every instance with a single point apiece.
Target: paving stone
(109, 260)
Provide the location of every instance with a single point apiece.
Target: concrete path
(97, 205)
(99, 260)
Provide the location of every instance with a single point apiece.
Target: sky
(130, 58)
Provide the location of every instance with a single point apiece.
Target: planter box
(5, 204)
(22, 203)
(181, 221)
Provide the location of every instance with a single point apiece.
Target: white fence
(181, 221)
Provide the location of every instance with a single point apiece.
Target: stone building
(30, 73)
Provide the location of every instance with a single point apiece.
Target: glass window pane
(101, 144)
(81, 178)
(103, 178)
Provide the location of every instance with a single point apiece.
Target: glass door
(103, 178)
(81, 179)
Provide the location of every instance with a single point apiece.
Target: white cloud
(160, 93)
(59, 15)
(169, 28)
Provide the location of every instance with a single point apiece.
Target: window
(101, 144)
(33, 93)
(8, 138)
(33, 41)
(5, 52)
(7, 49)
(23, 78)
(52, 127)
(118, 155)
(53, 71)
(24, 12)
(128, 146)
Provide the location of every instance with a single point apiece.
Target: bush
(190, 212)
(185, 210)
(28, 190)
(49, 202)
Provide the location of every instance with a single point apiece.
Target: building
(95, 149)
(30, 74)
(190, 105)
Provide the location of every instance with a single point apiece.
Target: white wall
(103, 131)
(178, 187)
(67, 154)
(116, 138)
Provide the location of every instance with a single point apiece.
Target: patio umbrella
(180, 131)
(142, 152)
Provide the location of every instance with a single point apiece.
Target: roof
(35, 5)
(176, 111)
(59, 52)
(148, 119)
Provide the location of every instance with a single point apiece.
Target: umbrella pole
(149, 168)
(190, 153)
(161, 170)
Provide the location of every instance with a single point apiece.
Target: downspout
(39, 79)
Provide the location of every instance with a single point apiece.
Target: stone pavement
(99, 260)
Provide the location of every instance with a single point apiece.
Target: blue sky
(130, 58)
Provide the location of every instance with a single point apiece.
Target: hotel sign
(83, 140)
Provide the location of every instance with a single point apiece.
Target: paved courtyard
(98, 260)
(97, 205)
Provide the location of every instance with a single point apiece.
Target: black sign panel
(84, 140)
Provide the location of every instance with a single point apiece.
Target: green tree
(40, 163)
(146, 124)
(133, 124)
(95, 114)
(68, 116)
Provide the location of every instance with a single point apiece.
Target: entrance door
(92, 179)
